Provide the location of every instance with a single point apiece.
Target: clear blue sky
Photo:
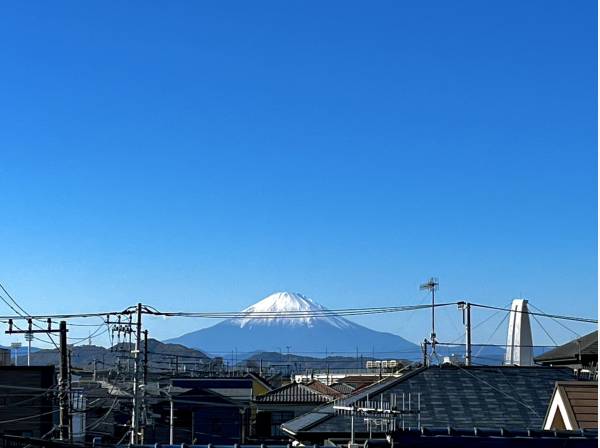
(201, 155)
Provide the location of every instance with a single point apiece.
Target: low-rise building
(574, 405)
(288, 402)
(437, 396)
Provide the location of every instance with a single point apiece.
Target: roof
(260, 379)
(313, 392)
(492, 438)
(488, 396)
(343, 388)
(585, 347)
(324, 389)
(574, 405)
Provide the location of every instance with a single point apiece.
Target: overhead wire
(23, 311)
(550, 316)
(558, 321)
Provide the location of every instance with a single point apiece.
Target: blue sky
(201, 155)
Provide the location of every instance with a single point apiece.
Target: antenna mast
(432, 285)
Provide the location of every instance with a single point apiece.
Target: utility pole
(145, 357)
(432, 285)
(171, 418)
(145, 384)
(466, 309)
(29, 338)
(135, 414)
(63, 383)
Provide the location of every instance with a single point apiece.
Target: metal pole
(135, 415)
(29, 337)
(468, 357)
(171, 420)
(145, 383)
(352, 427)
(145, 357)
(433, 319)
(64, 378)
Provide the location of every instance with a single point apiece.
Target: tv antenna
(432, 285)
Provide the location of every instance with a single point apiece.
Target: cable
(545, 331)
(297, 314)
(28, 417)
(493, 333)
(551, 316)
(558, 322)
(25, 312)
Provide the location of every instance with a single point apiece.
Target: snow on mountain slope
(288, 302)
(268, 326)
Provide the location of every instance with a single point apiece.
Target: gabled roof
(574, 405)
(324, 389)
(573, 352)
(495, 396)
(260, 379)
(313, 392)
(343, 388)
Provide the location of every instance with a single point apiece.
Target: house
(574, 405)
(27, 400)
(487, 438)
(260, 385)
(200, 416)
(343, 388)
(580, 354)
(288, 402)
(437, 396)
(235, 388)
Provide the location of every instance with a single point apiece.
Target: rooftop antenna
(432, 285)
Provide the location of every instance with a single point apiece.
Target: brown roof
(581, 402)
(324, 389)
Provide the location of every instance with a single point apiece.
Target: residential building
(288, 402)
(574, 405)
(438, 396)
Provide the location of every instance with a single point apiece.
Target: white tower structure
(519, 344)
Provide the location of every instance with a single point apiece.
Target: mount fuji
(313, 330)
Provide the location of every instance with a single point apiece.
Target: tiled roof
(509, 397)
(313, 392)
(324, 389)
(343, 388)
(573, 351)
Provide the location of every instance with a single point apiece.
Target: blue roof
(463, 397)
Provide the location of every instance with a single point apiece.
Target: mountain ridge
(292, 321)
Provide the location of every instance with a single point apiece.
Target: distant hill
(161, 356)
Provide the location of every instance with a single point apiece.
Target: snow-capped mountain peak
(275, 310)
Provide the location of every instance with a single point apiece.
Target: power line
(550, 316)
(558, 322)
(296, 314)
(23, 310)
